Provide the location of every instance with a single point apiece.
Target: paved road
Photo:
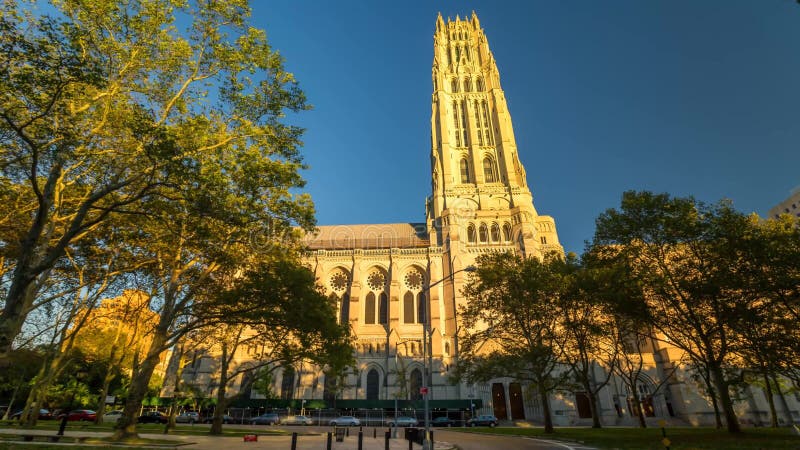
(477, 441)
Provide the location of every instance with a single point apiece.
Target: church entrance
(517, 406)
(499, 401)
(582, 405)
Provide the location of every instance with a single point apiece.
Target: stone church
(392, 278)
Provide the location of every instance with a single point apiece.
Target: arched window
(344, 310)
(416, 382)
(454, 85)
(489, 172)
(456, 123)
(465, 171)
(408, 307)
(479, 84)
(471, 236)
(369, 308)
(383, 304)
(373, 384)
(467, 85)
(287, 383)
(478, 122)
(506, 232)
(483, 233)
(495, 233)
(421, 307)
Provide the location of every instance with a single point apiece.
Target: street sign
(423, 390)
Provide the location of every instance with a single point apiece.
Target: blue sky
(687, 97)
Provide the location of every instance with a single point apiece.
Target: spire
(475, 22)
(439, 22)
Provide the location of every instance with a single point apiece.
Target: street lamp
(427, 352)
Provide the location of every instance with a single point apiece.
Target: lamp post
(427, 352)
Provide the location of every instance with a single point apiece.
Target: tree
(513, 308)
(680, 251)
(285, 318)
(107, 104)
(590, 343)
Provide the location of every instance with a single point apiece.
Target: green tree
(285, 316)
(680, 251)
(513, 308)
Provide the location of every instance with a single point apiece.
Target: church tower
(481, 200)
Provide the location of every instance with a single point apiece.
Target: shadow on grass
(651, 438)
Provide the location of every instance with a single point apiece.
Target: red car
(80, 414)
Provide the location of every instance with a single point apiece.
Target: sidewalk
(313, 442)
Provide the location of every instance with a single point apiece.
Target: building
(789, 206)
(391, 278)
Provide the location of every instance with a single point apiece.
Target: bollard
(431, 438)
(374, 433)
(62, 426)
(360, 440)
(347, 432)
(328, 446)
(387, 435)
(294, 441)
(360, 428)
(410, 444)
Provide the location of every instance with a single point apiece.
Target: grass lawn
(650, 438)
(180, 429)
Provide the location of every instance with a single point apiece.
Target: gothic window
(489, 170)
(471, 238)
(383, 304)
(483, 233)
(544, 240)
(487, 125)
(454, 85)
(479, 85)
(506, 232)
(373, 384)
(287, 383)
(376, 281)
(408, 307)
(495, 233)
(369, 308)
(456, 123)
(344, 310)
(465, 171)
(478, 122)
(467, 85)
(421, 306)
(464, 121)
(416, 383)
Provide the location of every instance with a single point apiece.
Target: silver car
(187, 417)
(345, 421)
(298, 420)
(402, 421)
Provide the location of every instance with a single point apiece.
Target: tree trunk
(638, 406)
(216, 424)
(126, 426)
(593, 408)
(548, 419)
(787, 411)
(773, 414)
(11, 402)
(725, 398)
(18, 300)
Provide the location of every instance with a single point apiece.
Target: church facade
(392, 279)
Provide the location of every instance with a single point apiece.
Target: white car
(112, 416)
(345, 421)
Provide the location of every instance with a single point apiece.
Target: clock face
(339, 281)
(376, 281)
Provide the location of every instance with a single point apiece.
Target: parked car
(111, 416)
(44, 414)
(402, 421)
(265, 419)
(225, 419)
(84, 415)
(482, 421)
(153, 417)
(298, 420)
(187, 417)
(345, 421)
(442, 422)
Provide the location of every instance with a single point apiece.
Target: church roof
(368, 236)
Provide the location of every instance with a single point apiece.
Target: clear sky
(687, 97)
